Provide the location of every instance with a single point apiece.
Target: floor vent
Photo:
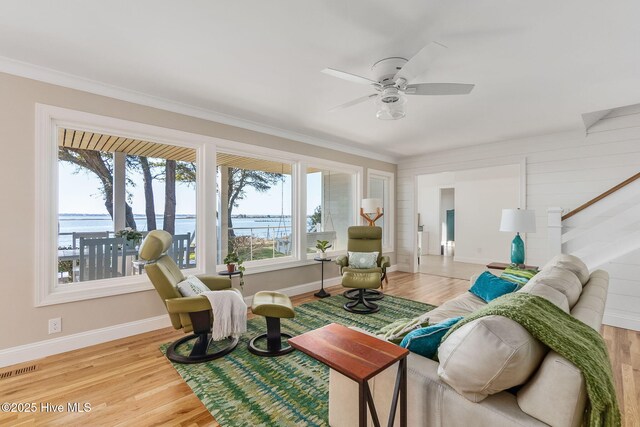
(16, 372)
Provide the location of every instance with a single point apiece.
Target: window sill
(99, 289)
(282, 266)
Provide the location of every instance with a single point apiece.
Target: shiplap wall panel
(564, 169)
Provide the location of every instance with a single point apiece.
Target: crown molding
(59, 78)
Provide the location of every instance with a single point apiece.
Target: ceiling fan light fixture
(391, 104)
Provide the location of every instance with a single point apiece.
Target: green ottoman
(273, 306)
(361, 281)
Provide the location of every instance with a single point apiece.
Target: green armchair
(365, 239)
(191, 314)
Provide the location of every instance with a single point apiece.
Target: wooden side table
(360, 357)
(502, 266)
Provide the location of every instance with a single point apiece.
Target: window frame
(269, 155)
(48, 120)
(390, 215)
(357, 173)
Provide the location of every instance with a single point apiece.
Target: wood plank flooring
(129, 382)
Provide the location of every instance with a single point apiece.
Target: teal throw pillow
(518, 275)
(425, 341)
(363, 259)
(489, 287)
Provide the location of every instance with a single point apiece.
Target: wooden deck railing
(601, 196)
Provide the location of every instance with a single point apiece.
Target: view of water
(259, 226)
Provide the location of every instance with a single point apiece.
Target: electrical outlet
(55, 325)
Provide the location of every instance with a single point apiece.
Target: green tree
(241, 179)
(100, 164)
(315, 219)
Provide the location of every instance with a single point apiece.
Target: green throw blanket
(567, 336)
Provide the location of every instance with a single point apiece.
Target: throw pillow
(489, 287)
(425, 341)
(363, 259)
(518, 275)
(192, 286)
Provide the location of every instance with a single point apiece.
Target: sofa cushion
(560, 279)
(559, 384)
(571, 263)
(459, 306)
(548, 293)
(489, 287)
(488, 355)
(425, 341)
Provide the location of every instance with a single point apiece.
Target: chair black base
(369, 294)
(199, 353)
(274, 340)
(369, 307)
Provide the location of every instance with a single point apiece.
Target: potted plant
(231, 260)
(133, 237)
(322, 246)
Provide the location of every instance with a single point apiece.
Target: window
(254, 200)
(114, 190)
(102, 184)
(331, 200)
(381, 186)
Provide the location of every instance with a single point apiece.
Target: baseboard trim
(301, 289)
(624, 322)
(40, 349)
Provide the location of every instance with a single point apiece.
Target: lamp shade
(518, 220)
(371, 205)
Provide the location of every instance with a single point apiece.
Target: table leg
(399, 390)
(403, 396)
(362, 405)
(372, 406)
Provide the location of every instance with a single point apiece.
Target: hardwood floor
(129, 382)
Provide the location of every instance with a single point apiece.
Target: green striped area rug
(242, 389)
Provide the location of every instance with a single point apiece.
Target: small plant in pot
(231, 260)
(322, 246)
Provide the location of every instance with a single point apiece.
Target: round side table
(230, 275)
(322, 293)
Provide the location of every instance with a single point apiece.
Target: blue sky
(79, 193)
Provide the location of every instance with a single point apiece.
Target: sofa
(491, 372)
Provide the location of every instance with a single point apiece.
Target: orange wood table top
(354, 354)
(360, 357)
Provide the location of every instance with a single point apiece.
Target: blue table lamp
(518, 221)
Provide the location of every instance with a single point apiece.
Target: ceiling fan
(394, 76)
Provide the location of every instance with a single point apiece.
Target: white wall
(479, 197)
(562, 169)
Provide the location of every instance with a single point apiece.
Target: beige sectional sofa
(491, 372)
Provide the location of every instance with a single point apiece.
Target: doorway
(447, 222)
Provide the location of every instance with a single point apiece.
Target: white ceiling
(537, 65)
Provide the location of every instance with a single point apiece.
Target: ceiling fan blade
(420, 61)
(354, 102)
(439, 89)
(348, 76)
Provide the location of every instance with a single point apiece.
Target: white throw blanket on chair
(229, 314)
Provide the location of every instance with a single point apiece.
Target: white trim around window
(389, 214)
(48, 120)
